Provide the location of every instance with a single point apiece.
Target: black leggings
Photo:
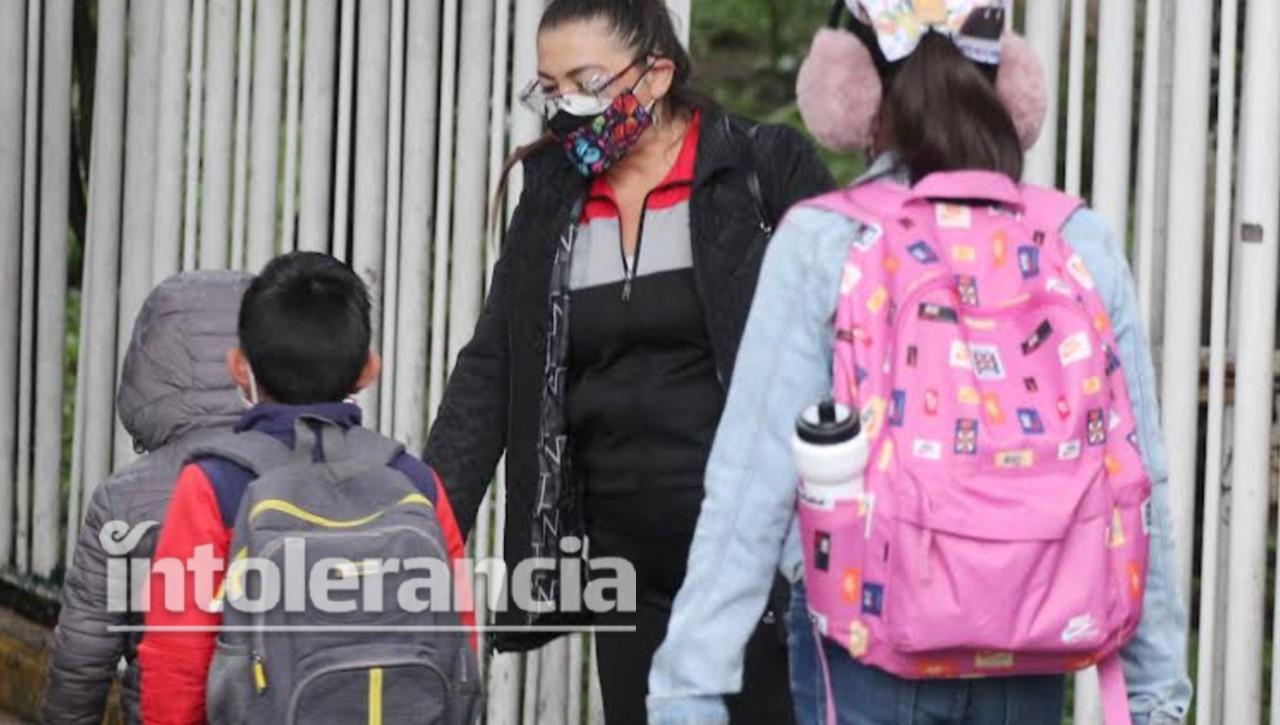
(654, 531)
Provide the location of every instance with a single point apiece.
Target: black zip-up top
(643, 397)
(502, 387)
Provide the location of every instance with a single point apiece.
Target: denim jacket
(748, 525)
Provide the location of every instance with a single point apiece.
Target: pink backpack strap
(968, 185)
(1115, 694)
(876, 200)
(869, 202)
(1048, 208)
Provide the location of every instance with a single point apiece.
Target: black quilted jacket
(175, 393)
(493, 401)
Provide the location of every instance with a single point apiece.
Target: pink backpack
(1004, 525)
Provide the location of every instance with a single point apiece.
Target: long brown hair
(500, 192)
(942, 113)
(646, 27)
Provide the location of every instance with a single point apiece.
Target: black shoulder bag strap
(765, 217)
(767, 220)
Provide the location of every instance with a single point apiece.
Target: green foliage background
(746, 54)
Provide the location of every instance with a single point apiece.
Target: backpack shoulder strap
(881, 197)
(870, 202)
(1115, 695)
(1048, 208)
(252, 450)
(764, 214)
(364, 444)
(339, 445)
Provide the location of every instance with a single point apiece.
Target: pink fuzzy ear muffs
(839, 90)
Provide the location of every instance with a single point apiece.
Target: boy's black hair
(304, 327)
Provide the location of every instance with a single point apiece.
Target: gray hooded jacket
(174, 393)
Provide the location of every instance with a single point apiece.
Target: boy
(174, 394)
(304, 333)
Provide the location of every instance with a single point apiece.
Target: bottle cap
(827, 423)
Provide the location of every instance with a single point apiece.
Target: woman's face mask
(596, 133)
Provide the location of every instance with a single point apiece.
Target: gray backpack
(297, 660)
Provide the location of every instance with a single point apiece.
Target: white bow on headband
(900, 24)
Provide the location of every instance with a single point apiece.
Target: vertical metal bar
(137, 225)
(1044, 31)
(532, 676)
(315, 202)
(1113, 116)
(577, 682)
(553, 681)
(1184, 273)
(1148, 146)
(444, 204)
(1207, 685)
(145, 22)
(1259, 217)
(12, 49)
(1163, 168)
(75, 486)
(293, 94)
(525, 124)
(497, 149)
(595, 699)
(195, 116)
(466, 279)
(102, 248)
(504, 686)
(55, 173)
(422, 75)
(391, 232)
(167, 224)
(264, 149)
(1075, 95)
(498, 119)
(240, 176)
(342, 171)
(1087, 700)
(215, 189)
(504, 677)
(370, 208)
(26, 338)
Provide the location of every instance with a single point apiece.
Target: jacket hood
(175, 377)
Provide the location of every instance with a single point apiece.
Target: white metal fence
(225, 131)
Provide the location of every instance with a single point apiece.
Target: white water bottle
(830, 454)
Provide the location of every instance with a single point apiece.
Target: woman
(600, 361)
(942, 109)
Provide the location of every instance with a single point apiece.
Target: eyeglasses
(588, 101)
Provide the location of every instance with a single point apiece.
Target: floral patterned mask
(595, 143)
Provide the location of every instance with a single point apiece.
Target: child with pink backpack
(984, 504)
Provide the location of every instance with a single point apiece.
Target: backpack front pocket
(1014, 565)
(410, 689)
